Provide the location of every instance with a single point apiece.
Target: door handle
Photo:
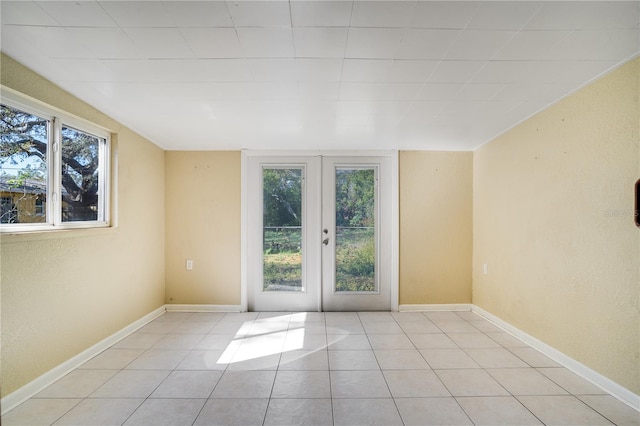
(326, 239)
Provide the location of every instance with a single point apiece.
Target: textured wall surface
(203, 224)
(64, 291)
(553, 220)
(435, 227)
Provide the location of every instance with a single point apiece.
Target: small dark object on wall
(636, 213)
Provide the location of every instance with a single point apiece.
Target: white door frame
(395, 222)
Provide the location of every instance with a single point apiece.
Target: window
(8, 213)
(53, 169)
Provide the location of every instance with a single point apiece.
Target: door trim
(244, 217)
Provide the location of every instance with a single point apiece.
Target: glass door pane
(355, 251)
(282, 233)
(356, 231)
(282, 193)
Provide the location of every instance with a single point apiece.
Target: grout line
(325, 349)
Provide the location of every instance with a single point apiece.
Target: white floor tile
(495, 358)
(233, 412)
(301, 384)
(169, 412)
(525, 381)
(336, 342)
(158, 359)
(390, 341)
(239, 316)
(571, 382)
(382, 327)
(458, 326)
(294, 412)
(473, 340)
(194, 327)
(179, 341)
(349, 412)
(112, 359)
(486, 326)
(353, 360)
(345, 328)
(562, 410)
(405, 317)
(501, 410)
(175, 316)
(217, 341)
(506, 340)
(533, 357)
(358, 384)
(159, 327)
(297, 340)
(332, 317)
(432, 341)
(309, 327)
(200, 359)
(419, 327)
(245, 384)
(35, 412)
(131, 384)
(77, 384)
(431, 411)
(442, 359)
(470, 316)
(369, 317)
(442, 316)
(267, 328)
(98, 412)
(139, 340)
(307, 317)
(212, 317)
(234, 328)
(334, 368)
(188, 384)
(414, 384)
(471, 382)
(248, 360)
(400, 359)
(304, 360)
(611, 408)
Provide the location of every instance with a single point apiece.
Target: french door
(319, 233)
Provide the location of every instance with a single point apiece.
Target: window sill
(7, 236)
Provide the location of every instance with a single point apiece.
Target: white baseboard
(459, 307)
(608, 385)
(203, 308)
(30, 389)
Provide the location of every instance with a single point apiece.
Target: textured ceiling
(443, 75)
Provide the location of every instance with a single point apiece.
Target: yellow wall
(62, 292)
(553, 220)
(435, 227)
(202, 192)
(203, 224)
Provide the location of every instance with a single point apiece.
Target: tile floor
(367, 368)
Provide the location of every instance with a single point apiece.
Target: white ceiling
(442, 75)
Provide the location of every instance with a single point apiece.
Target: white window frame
(53, 206)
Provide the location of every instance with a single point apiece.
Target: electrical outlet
(485, 269)
(189, 264)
